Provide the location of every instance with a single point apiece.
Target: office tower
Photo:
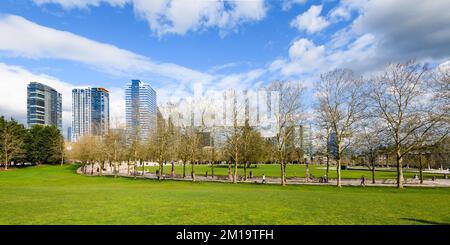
(44, 105)
(141, 110)
(90, 112)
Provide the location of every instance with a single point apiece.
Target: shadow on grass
(428, 222)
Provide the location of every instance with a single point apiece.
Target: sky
(187, 47)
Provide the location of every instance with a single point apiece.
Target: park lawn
(292, 170)
(57, 195)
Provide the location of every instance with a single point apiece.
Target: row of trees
(39, 144)
(403, 110)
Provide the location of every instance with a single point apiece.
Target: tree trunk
(338, 164)
(6, 161)
(172, 171)
(338, 172)
(134, 168)
(373, 172)
(307, 171)
(92, 168)
(229, 171)
(235, 168)
(101, 168)
(328, 165)
(283, 174)
(193, 171)
(161, 169)
(421, 174)
(115, 169)
(245, 171)
(184, 169)
(212, 169)
(399, 160)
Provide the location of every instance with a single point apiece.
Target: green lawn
(293, 170)
(57, 195)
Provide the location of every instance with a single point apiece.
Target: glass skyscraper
(90, 112)
(44, 105)
(141, 109)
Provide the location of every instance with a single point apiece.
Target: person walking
(263, 179)
(363, 181)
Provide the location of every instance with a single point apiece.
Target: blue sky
(186, 46)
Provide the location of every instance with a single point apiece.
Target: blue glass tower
(141, 110)
(90, 112)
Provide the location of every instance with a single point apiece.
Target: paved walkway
(123, 172)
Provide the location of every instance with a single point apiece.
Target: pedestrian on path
(363, 181)
(263, 179)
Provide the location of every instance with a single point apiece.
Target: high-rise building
(90, 112)
(44, 105)
(141, 109)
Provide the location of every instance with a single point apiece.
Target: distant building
(44, 105)
(90, 112)
(303, 139)
(141, 109)
(69, 134)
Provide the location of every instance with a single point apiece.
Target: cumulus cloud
(310, 21)
(180, 17)
(345, 9)
(43, 42)
(407, 28)
(304, 58)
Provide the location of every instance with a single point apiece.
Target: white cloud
(43, 42)
(69, 4)
(308, 60)
(304, 57)
(310, 21)
(180, 17)
(406, 29)
(287, 4)
(345, 9)
(47, 43)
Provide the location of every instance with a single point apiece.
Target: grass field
(293, 170)
(57, 195)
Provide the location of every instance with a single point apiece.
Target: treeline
(401, 112)
(37, 145)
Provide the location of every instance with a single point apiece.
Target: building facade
(90, 112)
(141, 110)
(44, 105)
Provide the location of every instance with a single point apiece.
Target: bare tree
(402, 99)
(162, 141)
(234, 135)
(340, 105)
(370, 141)
(287, 115)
